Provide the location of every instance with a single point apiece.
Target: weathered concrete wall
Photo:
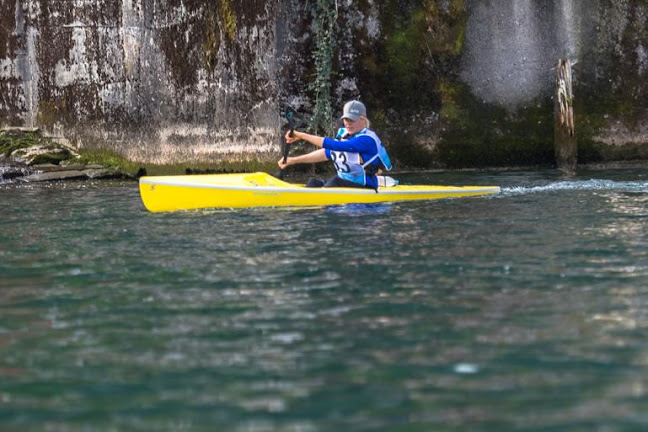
(453, 82)
(157, 80)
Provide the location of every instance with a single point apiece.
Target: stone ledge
(55, 175)
(34, 158)
(102, 173)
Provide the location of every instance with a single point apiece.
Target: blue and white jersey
(358, 157)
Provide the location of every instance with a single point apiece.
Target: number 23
(340, 161)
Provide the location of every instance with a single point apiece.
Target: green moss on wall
(194, 41)
(18, 144)
(228, 18)
(444, 31)
(15, 140)
(110, 159)
(480, 135)
(452, 112)
(212, 41)
(421, 43)
(403, 51)
(47, 113)
(404, 148)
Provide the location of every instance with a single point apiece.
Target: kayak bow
(190, 192)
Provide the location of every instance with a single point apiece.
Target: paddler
(356, 151)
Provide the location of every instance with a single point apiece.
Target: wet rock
(40, 154)
(55, 175)
(11, 172)
(29, 157)
(101, 173)
(84, 173)
(48, 167)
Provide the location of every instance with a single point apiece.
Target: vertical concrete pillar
(565, 146)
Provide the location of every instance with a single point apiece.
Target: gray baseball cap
(353, 110)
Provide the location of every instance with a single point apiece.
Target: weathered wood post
(565, 146)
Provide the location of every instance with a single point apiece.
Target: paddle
(286, 146)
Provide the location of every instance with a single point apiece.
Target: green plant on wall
(219, 19)
(324, 14)
(421, 43)
(212, 41)
(229, 19)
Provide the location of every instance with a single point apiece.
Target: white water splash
(584, 185)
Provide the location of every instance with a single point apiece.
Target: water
(522, 312)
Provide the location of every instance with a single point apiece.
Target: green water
(522, 312)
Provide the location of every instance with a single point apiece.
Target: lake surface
(527, 311)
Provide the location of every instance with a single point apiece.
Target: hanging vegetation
(324, 13)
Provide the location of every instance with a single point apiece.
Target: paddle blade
(291, 120)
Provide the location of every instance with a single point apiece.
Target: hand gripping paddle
(286, 146)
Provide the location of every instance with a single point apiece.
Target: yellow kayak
(190, 192)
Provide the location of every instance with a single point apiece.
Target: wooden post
(565, 146)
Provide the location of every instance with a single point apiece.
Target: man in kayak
(356, 151)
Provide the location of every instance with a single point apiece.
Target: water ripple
(521, 312)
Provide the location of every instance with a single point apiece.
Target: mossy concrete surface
(27, 155)
(448, 83)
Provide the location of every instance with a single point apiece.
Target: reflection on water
(524, 311)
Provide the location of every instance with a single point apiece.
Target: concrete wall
(195, 80)
(157, 80)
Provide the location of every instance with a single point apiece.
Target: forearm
(317, 141)
(312, 157)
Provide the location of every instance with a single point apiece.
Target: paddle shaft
(286, 147)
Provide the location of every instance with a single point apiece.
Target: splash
(578, 185)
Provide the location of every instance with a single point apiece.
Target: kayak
(191, 192)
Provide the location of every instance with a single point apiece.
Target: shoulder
(370, 133)
(368, 137)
